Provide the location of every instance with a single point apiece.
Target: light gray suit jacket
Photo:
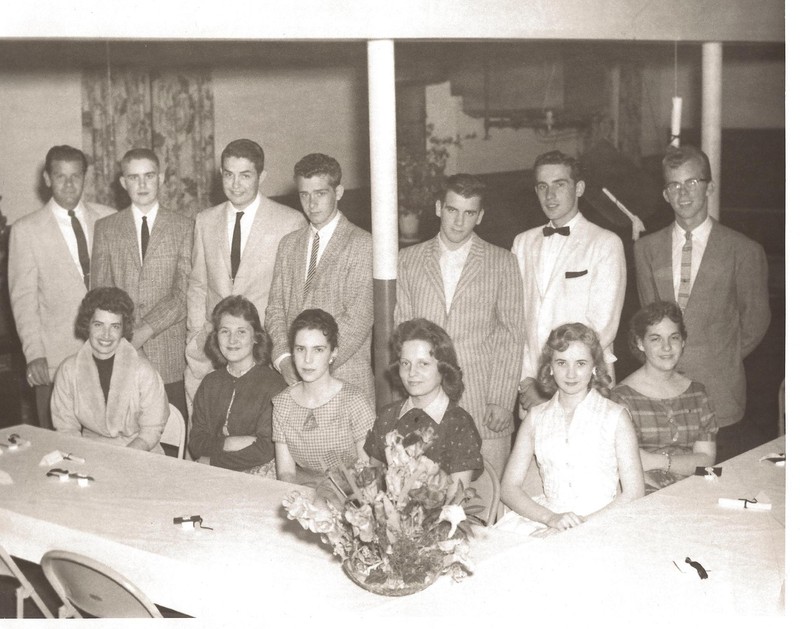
(45, 285)
(587, 285)
(342, 286)
(157, 287)
(485, 319)
(210, 278)
(727, 313)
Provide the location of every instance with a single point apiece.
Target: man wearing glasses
(719, 279)
(572, 270)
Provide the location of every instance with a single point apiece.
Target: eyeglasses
(690, 185)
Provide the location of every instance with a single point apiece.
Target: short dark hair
(110, 299)
(653, 314)
(64, 153)
(555, 158)
(139, 153)
(442, 349)
(466, 186)
(316, 164)
(246, 149)
(677, 156)
(315, 319)
(558, 341)
(238, 306)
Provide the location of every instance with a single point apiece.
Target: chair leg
(20, 602)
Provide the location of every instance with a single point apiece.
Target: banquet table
(253, 562)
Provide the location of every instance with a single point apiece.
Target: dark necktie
(312, 263)
(561, 231)
(145, 237)
(83, 250)
(236, 245)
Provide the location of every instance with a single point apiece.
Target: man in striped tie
(719, 279)
(327, 265)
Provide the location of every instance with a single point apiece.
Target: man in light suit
(473, 290)
(328, 265)
(719, 278)
(49, 271)
(235, 244)
(572, 270)
(146, 251)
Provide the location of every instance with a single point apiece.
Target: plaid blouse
(671, 424)
(320, 438)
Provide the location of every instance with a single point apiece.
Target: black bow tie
(549, 231)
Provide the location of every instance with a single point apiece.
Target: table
(256, 563)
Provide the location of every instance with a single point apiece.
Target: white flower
(453, 514)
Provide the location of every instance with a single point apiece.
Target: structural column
(383, 185)
(712, 117)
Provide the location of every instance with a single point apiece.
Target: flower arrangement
(396, 531)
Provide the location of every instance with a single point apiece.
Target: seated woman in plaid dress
(672, 415)
(321, 421)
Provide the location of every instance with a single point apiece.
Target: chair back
(175, 431)
(85, 584)
(488, 487)
(9, 568)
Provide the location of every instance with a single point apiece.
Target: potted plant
(420, 180)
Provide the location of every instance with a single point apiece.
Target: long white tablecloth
(256, 563)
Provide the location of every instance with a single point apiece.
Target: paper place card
(761, 502)
(5, 478)
(52, 458)
(778, 459)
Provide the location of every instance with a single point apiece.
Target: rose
(362, 521)
(454, 514)
(298, 507)
(322, 521)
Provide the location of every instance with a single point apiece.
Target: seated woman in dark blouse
(428, 369)
(672, 414)
(232, 415)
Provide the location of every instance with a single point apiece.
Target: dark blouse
(105, 367)
(246, 403)
(457, 446)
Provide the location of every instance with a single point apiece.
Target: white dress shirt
(65, 225)
(435, 408)
(137, 220)
(548, 254)
(451, 264)
(700, 236)
(324, 238)
(245, 225)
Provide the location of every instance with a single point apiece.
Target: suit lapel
(472, 268)
(433, 272)
(260, 226)
(662, 266)
(157, 230)
(55, 236)
(224, 244)
(129, 237)
(704, 285)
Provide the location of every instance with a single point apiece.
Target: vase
(390, 587)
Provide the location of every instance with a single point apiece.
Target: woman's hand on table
(232, 444)
(564, 521)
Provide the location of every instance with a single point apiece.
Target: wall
(37, 110)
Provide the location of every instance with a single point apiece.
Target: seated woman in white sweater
(107, 391)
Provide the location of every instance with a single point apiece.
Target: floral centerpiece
(395, 530)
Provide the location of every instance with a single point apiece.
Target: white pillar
(712, 117)
(383, 185)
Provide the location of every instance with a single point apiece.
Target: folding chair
(85, 584)
(9, 567)
(488, 487)
(175, 431)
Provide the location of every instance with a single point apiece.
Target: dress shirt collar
(327, 230)
(461, 252)
(249, 210)
(61, 212)
(435, 409)
(699, 233)
(151, 215)
(571, 223)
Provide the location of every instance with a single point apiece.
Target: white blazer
(587, 285)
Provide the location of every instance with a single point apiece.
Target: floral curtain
(171, 112)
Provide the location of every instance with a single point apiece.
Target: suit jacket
(45, 285)
(727, 313)
(485, 319)
(137, 403)
(587, 286)
(157, 286)
(210, 278)
(342, 286)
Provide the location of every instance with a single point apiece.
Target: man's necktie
(686, 272)
(561, 231)
(236, 245)
(83, 250)
(145, 236)
(312, 263)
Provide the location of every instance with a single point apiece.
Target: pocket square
(570, 274)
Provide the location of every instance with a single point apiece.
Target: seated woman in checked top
(584, 443)
(232, 414)
(672, 415)
(108, 391)
(428, 368)
(321, 421)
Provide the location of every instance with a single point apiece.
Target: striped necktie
(686, 272)
(312, 264)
